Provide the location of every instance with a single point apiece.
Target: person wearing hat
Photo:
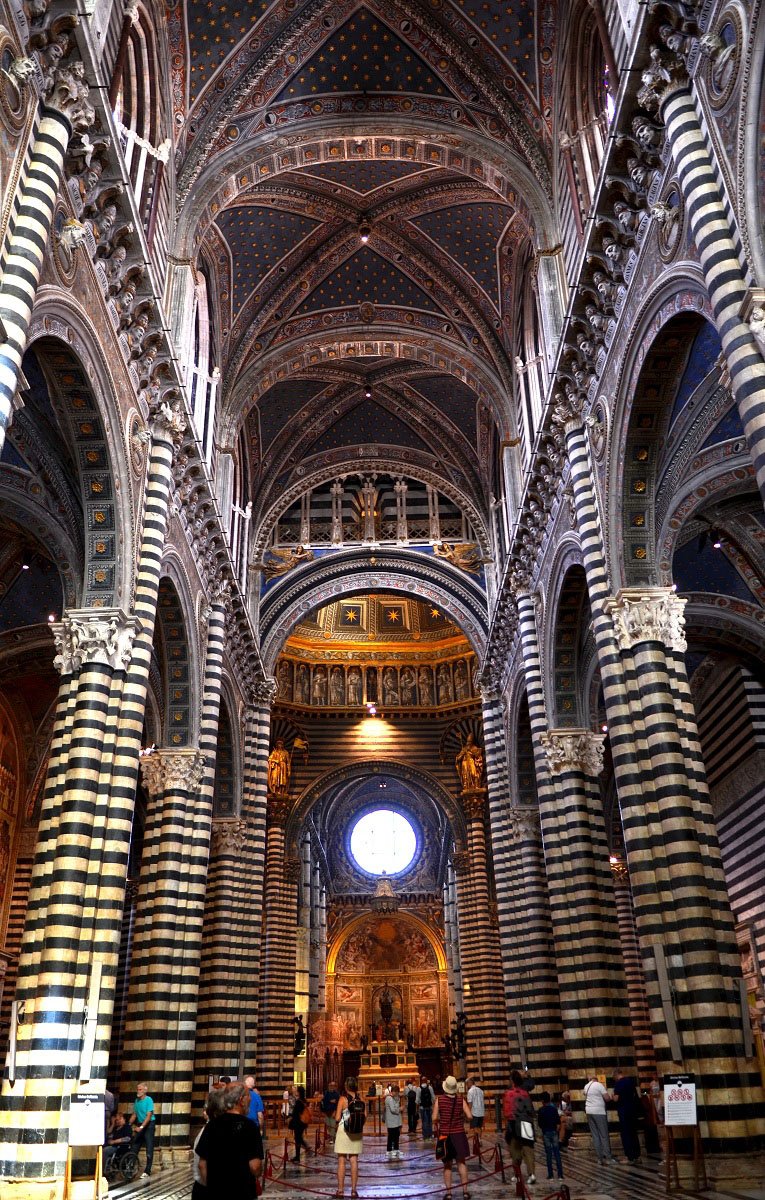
(449, 1117)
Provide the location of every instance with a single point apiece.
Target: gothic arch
(349, 573)
(405, 918)
(351, 772)
(564, 653)
(175, 634)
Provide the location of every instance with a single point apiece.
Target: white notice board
(680, 1103)
(87, 1119)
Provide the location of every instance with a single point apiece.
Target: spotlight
(717, 541)
(364, 230)
(51, 618)
(604, 728)
(25, 566)
(368, 393)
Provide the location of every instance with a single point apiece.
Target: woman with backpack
(350, 1115)
(449, 1114)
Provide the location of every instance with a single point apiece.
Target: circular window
(383, 840)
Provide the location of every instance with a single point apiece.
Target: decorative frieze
(573, 750)
(648, 615)
(87, 635)
(166, 771)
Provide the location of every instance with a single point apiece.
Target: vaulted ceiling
(363, 185)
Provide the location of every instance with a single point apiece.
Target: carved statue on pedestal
(279, 769)
(469, 764)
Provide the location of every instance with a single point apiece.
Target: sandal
(355, 1195)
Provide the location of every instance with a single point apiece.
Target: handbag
(443, 1146)
(526, 1130)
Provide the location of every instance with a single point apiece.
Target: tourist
(595, 1097)
(548, 1119)
(650, 1125)
(299, 1121)
(212, 1109)
(628, 1110)
(412, 1105)
(566, 1114)
(426, 1098)
(449, 1116)
(143, 1120)
(329, 1106)
(230, 1148)
(518, 1112)
(286, 1106)
(477, 1103)
(392, 1116)
(350, 1116)
(257, 1110)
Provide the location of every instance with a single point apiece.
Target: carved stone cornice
(229, 836)
(648, 615)
(168, 770)
(94, 635)
(573, 750)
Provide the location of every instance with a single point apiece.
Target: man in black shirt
(230, 1149)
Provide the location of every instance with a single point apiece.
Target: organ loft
(382, 555)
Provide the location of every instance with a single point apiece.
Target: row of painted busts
(350, 687)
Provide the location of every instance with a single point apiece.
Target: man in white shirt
(595, 1097)
(476, 1102)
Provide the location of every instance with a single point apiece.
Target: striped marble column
(66, 111)
(525, 926)
(229, 988)
(69, 951)
(160, 1029)
(158, 1043)
(588, 954)
(280, 903)
(671, 94)
(637, 1001)
(695, 936)
(482, 985)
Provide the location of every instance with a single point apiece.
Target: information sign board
(87, 1119)
(679, 1100)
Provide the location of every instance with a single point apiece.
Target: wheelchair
(121, 1163)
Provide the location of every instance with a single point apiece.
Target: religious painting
(385, 944)
(348, 994)
(426, 1026)
(387, 1009)
(352, 1025)
(424, 993)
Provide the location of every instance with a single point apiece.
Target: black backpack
(357, 1115)
(426, 1098)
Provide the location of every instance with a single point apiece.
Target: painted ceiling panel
(214, 28)
(366, 276)
(368, 423)
(453, 397)
(259, 237)
(470, 233)
(510, 29)
(366, 175)
(364, 55)
(281, 402)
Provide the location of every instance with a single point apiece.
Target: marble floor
(417, 1175)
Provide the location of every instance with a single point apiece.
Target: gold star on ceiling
(434, 612)
(392, 614)
(351, 614)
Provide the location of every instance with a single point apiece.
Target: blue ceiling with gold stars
(365, 175)
(453, 397)
(282, 402)
(470, 233)
(364, 55)
(368, 423)
(510, 28)
(259, 238)
(213, 29)
(366, 276)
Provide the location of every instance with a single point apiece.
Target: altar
(386, 1062)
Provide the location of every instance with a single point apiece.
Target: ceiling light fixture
(717, 541)
(368, 393)
(364, 230)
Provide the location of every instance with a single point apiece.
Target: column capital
(293, 869)
(166, 418)
(229, 836)
(172, 770)
(262, 691)
(66, 91)
(648, 615)
(278, 810)
(94, 635)
(664, 74)
(474, 803)
(524, 823)
(461, 862)
(573, 750)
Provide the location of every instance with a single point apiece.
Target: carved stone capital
(173, 771)
(573, 750)
(293, 869)
(262, 691)
(229, 836)
(648, 615)
(67, 91)
(474, 803)
(278, 810)
(461, 862)
(664, 74)
(94, 635)
(524, 824)
(167, 420)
